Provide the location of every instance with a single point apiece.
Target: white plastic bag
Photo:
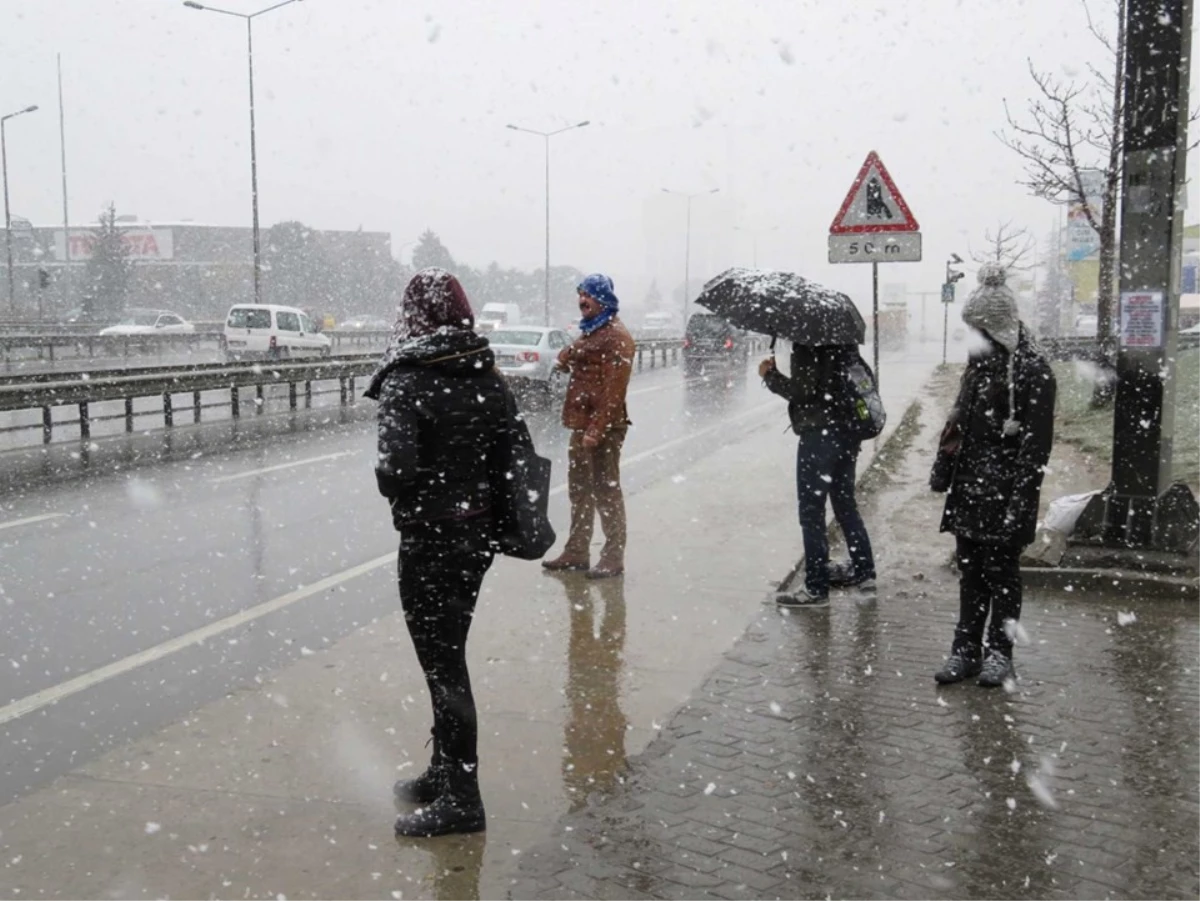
(1064, 512)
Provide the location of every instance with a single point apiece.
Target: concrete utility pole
(1140, 511)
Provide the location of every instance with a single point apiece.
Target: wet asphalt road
(100, 572)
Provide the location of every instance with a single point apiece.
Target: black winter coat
(994, 480)
(441, 408)
(816, 389)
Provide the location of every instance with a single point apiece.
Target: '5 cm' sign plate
(893, 247)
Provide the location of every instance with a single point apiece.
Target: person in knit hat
(991, 457)
(600, 362)
(440, 401)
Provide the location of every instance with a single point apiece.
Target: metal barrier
(79, 344)
(47, 390)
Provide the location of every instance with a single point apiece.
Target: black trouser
(989, 581)
(442, 566)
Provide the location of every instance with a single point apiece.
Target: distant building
(194, 269)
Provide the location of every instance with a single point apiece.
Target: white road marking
(30, 520)
(56, 693)
(723, 424)
(292, 465)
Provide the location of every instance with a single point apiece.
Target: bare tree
(1008, 246)
(1070, 128)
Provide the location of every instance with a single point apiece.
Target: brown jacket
(600, 364)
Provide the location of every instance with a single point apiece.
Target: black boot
(963, 663)
(426, 787)
(458, 810)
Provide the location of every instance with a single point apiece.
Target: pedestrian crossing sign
(874, 204)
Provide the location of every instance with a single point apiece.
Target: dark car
(711, 343)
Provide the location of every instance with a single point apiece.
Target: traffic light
(43, 279)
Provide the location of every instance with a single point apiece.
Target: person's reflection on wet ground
(1145, 660)
(832, 765)
(594, 741)
(1003, 813)
(454, 866)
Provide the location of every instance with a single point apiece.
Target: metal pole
(254, 166)
(12, 303)
(687, 262)
(547, 317)
(875, 313)
(62, 143)
(945, 329)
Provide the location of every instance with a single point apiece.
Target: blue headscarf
(600, 288)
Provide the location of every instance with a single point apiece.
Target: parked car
(271, 331)
(367, 323)
(150, 322)
(526, 356)
(709, 342)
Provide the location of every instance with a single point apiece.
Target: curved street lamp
(7, 217)
(546, 136)
(249, 17)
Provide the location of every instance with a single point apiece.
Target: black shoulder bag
(520, 487)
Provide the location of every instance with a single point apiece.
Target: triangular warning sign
(874, 204)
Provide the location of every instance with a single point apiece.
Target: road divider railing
(16, 348)
(46, 391)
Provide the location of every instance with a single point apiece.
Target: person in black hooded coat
(442, 407)
(990, 462)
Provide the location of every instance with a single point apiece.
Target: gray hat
(992, 307)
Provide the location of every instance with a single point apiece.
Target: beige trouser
(594, 485)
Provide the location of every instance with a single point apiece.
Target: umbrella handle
(773, 340)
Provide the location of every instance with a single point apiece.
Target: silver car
(526, 356)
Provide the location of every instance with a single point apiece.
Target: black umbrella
(784, 305)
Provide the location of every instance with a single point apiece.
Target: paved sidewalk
(820, 758)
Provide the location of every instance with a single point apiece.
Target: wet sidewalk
(820, 759)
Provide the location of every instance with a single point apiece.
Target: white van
(498, 315)
(271, 331)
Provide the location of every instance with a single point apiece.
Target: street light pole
(12, 302)
(546, 136)
(249, 17)
(687, 246)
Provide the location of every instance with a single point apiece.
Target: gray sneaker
(997, 669)
(959, 665)
(801, 597)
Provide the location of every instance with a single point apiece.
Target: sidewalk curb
(1113, 582)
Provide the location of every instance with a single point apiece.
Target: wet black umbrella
(784, 305)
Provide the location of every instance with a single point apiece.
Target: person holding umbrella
(826, 463)
(833, 405)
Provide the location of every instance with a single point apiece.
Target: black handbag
(520, 488)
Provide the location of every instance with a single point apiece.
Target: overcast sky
(390, 114)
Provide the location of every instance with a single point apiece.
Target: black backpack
(863, 405)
